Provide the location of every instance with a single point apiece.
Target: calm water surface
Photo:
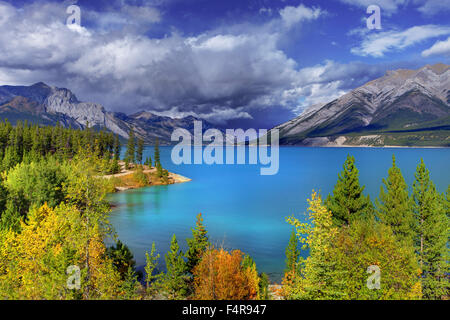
(244, 210)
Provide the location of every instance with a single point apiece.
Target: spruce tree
(394, 205)
(348, 201)
(130, 155)
(139, 151)
(157, 155)
(447, 202)
(197, 244)
(148, 162)
(122, 258)
(431, 237)
(292, 254)
(174, 281)
(159, 168)
(115, 167)
(150, 266)
(116, 147)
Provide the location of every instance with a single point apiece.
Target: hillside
(404, 108)
(49, 105)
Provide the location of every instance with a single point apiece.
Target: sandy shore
(123, 175)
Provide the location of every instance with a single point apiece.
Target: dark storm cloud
(218, 75)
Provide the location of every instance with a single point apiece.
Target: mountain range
(47, 105)
(402, 108)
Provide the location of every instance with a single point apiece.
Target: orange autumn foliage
(221, 276)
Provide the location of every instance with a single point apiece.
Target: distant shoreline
(376, 147)
(326, 146)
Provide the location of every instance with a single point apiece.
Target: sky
(236, 63)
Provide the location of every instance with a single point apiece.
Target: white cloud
(217, 75)
(431, 7)
(377, 44)
(323, 83)
(264, 10)
(219, 43)
(293, 15)
(129, 18)
(214, 75)
(389, 7)
(386, 6)
(439, 48)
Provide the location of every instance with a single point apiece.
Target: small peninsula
(134, 177)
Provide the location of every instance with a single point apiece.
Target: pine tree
(174, 281)
(371, 243)
(348, 201)
(148, 162)
(157, 155)
(122, 258)
(116, 147)
(292, 254)
(264, 286)
(447, 202)
(432, 235)
(139, 151)
(150, 266)
(197, 244)
(130, 155)
(115, 167)
(159, 170)
(394, 207)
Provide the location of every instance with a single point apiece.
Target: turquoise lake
(244, 210)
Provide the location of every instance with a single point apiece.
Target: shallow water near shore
(245, 210)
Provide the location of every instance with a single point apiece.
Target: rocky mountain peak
(400, 99)
(50, 105)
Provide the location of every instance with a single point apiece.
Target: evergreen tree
(197, 244)
(117, 147)
(139, 151)
(129, 285)
(348, 201)
(394, 207)
(115, 167)
(292, 254)
(447, 202)
(157, 155)
(174, 281)
(122, 258)
(130, 154)
(151, 279)
(264, 286)
(371, 243)
(432, 235)
(148, 162)
(159, 170)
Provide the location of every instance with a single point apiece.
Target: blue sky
(241, 63)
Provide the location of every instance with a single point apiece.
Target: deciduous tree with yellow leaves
(220, 275)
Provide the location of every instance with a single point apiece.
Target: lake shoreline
(326, 146)
(126, 181)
